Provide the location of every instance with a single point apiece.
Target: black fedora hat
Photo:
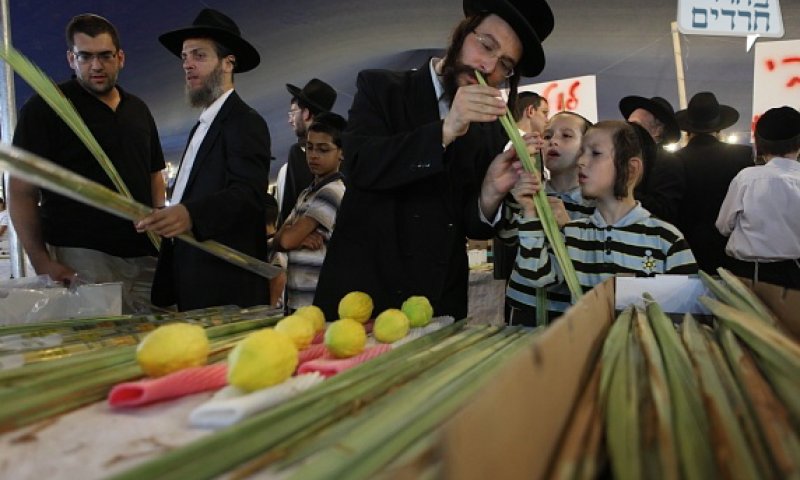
(659, 107)
(218, 26)
(318, 95)
(532, 21)
(778, 124)
(706, 115)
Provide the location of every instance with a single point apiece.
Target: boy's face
(596, 172)
(562, 143)
(322, 154)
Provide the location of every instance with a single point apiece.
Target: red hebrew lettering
(770, 65)
(573, 101)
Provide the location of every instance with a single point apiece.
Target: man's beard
(208, 92)
(451, 70)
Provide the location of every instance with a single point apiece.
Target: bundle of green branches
(545, 213)
(354, 424)
(47, 174)
(697, 401)
(59, 383)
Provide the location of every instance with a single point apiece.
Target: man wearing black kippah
(760, 211)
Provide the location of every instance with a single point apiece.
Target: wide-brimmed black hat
(778, 124)
(318, 95)
(660, 108)
(706, 115)
(215, 25)
(532, 21)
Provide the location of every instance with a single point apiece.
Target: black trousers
(785, 273)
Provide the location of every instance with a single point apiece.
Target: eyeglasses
(492, 48)
(87, 58)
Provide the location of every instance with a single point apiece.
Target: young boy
(758, 212)
(562, 142)
(619, 237)
(307, 229)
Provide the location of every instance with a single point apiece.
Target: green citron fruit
(262, 359)
(418, 310)
(391, 325)
(313, 313)
(298, 328)
(345, 338)
(357, 306)
(172, 347)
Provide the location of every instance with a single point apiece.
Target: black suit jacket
(225, 195)
(410, 204)
(298, 178)
(709, 165)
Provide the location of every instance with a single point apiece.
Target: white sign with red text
(577, 94)
(776, 77)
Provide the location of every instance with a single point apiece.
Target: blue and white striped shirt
(638, 244)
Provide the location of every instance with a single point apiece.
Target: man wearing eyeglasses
(421, 162)
(64, 238)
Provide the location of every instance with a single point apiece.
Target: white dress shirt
(760, 212)
(204, 122)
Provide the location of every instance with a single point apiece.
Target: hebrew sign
(736, 18)
(776, 77)
(577, 94)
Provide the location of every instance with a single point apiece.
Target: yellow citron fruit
(345, 338)
(418, 310)
(391, 325)
(172, 347)
(313, 313)
(262, 359)
(357, 306)
(299, 329)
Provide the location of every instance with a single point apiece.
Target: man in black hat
(220, 189)
(709, 166)
(759, 212)
(419, 166)
(314, 98)
(662, 184)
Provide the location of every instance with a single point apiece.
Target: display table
(97, 441)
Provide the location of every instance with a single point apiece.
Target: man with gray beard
(220, 190)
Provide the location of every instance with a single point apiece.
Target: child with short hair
(620, 236)
(758, 212)
(562, 143)
(307, 230)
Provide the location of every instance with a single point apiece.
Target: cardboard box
(512, 427)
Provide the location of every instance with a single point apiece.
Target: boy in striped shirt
(562, 141)
(619, 237)
(307, 230)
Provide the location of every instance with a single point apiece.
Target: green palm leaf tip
(733, 452)
(549, 224)
(690, 423)
(50, 93)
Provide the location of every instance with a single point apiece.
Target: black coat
(710, 165)
(298, 178)
(410, 204)
(225, 196)
(662, 189)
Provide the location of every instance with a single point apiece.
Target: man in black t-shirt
(64, 238)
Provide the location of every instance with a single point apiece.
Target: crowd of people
(383, 201)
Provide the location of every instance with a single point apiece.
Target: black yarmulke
(779, 124)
